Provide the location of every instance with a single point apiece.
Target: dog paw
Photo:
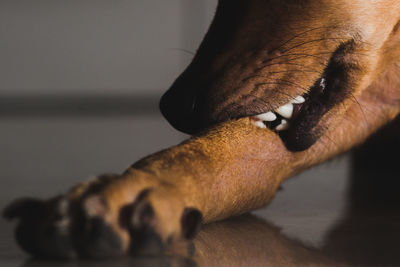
(95, 222)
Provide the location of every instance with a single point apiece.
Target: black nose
(179, 108)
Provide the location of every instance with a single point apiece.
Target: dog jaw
(258, 55)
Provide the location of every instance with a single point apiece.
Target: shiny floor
(314, 220)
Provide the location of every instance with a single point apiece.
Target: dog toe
(157, 221)
(42, 227)
(92, 235)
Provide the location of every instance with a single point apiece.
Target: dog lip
(296, 141)
(294, 121)
(306, 124)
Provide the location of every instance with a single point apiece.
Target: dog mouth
(286, 119)
(302, 121)
(281, 118)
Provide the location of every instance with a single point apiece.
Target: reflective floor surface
(314, 220)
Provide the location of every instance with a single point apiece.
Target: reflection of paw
(99, 223)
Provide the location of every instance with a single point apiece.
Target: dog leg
(229, 170)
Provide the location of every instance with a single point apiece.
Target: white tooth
(259, 124)
(285, 111)
(283, 126)
(298, 100)
(269, 116)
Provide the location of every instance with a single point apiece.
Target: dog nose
(178, 107)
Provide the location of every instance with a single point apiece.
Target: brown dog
(289, 84)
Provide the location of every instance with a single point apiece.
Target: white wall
(97, 46)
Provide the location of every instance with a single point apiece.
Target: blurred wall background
(97, 47)
(80, 82)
